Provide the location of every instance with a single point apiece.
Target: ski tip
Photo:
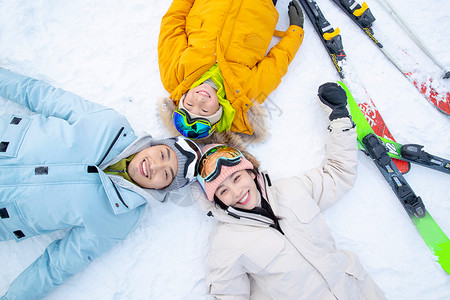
(446, 75)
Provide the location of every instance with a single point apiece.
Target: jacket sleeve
(172, 42)
(336, 177)
(227, 278)
(42, 98)
(62, 259)
(226, 283)
(268, 72)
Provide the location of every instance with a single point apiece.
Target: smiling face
(239, 190)
(154, 167)
(202, 100)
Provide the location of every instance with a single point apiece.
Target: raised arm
(336, 177)
(172, 42)
(42, 98)
(330, 182)
(268, 72)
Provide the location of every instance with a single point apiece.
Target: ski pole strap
(379, 153)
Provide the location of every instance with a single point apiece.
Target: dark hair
(220, 203)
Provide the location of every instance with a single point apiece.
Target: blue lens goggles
(196, 128)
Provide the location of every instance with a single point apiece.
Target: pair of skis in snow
(392, 158)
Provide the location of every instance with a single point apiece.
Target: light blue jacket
(51, 178)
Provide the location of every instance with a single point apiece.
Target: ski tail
(435, 238)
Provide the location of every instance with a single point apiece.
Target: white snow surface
(106, 51)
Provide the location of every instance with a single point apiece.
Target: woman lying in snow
(271, 241)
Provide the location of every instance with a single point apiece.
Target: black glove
(333, 96)
(295, 13)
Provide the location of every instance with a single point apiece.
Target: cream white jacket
(248, 259)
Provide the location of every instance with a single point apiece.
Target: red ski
(440, 100)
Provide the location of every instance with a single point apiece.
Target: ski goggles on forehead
(193, 128)
(212, 161)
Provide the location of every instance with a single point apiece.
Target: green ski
(372, 145)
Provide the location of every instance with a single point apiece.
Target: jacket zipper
(112, 144)
(255, 218)
(117, 171)
(118, 195)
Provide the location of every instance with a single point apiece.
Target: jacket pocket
(14, 222)
(12, 135)
(255, 41)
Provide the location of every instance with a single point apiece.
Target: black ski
(330, 37)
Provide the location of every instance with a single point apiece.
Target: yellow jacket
(234, 33)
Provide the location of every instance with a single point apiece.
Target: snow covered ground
(106, 52)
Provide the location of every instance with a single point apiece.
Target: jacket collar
(150, 196)
(240, 214)
(143, 141)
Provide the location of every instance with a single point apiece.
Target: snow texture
(106, 51)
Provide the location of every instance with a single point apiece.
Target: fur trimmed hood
(256, 115)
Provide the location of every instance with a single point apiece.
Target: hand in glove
(334, 100)
(295, 14)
